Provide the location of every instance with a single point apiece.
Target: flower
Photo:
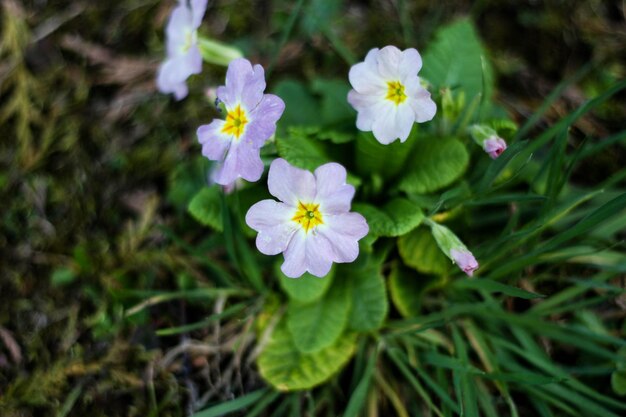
(388, 95)
(311, 224)
(183, 54)
(494, 146)
(465, 260)
(251, 118)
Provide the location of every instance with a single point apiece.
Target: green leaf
(618, 382)
(369, 298)
(372, 157)
(334, 106)
(301, 151)
(359, 396)
(406, 288)
(185, 181)
(62, 276)
(286, 368)
(397, 217)
(206, 207)
(319, 14)
(419, 250)
(435, 164)
(488, 285)
(456, 59)
(301, 108)
(232, 405)
(318, 324)
(305, 289)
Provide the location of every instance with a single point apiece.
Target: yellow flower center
(235, 122)
(395, 92)
(308, 216)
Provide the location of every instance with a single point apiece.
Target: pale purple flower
(465, 260)
(311, 224)
(494, 146)
(251, 118)
(388, 95)
(183, 55)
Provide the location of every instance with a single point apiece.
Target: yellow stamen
(395, 92)
(235, 122)
(308, 216)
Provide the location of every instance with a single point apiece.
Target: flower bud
(453, 248)
(488, 139)
(494, 146)
(465, 260)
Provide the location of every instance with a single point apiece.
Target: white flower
(311, 224)
(388, 95)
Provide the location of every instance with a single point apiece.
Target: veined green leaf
(448, 65)
(206, 207)
(397, 217)
(369, 298)
(434, 164)
(305, 289)
(318, 324)
(301, 151)
(286, 368)
(372, 157)
(419, 250)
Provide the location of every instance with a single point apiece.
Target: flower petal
(198, 8)
(253, 88)
(177, 28)
(343, 231)
(389, 63)
(368, 108)
(424, 108)
(290, 184)
(214, 142)
(237, 74)
(319, 254)
(295, 256)
(263, 119)
(410, 63)
(364, 76)
(273, 222)
(333, 194)
(242, 160)
(393, 123)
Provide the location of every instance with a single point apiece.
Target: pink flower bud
(465, 260)
(494, 146)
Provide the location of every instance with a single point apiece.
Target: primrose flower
(465, 260)
(494, 146)
(183, 54)
(388, 95)
(251, 118)
(311, 224)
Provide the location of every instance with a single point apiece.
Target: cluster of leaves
(450, 338)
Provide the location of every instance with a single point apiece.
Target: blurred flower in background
(183, 55)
